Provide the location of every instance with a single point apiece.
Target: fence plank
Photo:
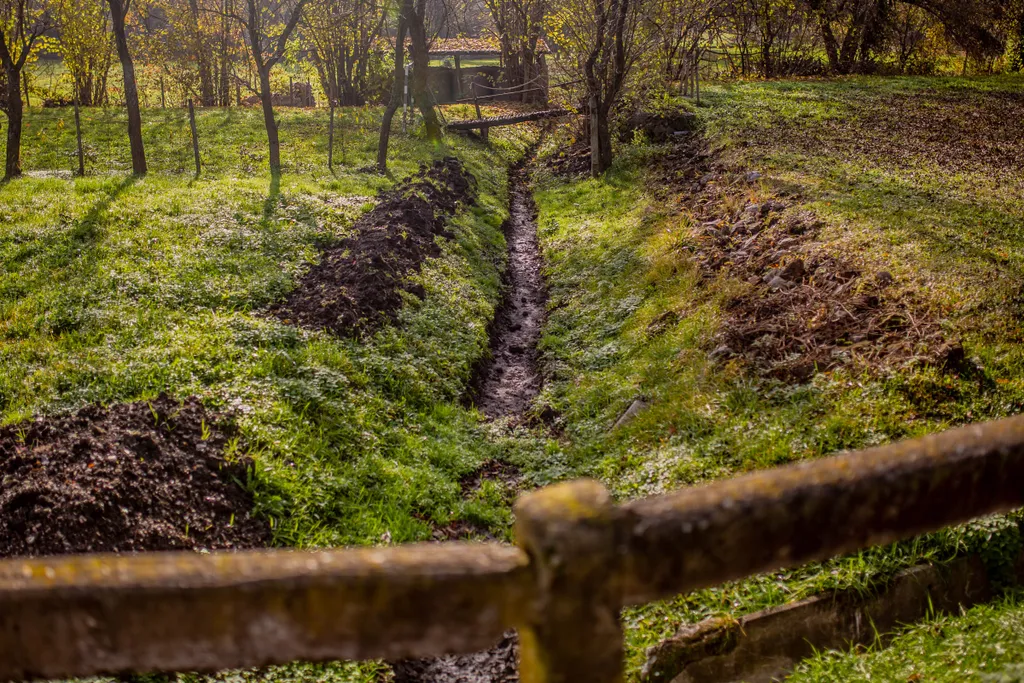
(79, 616)
(569, 531)
(788, 516)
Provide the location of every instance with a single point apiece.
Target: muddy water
(505, 387)
(510, 381)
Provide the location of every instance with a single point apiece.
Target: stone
(777, 283)
(753, 176)
(794, 270)
(634, 409)
(722, 352)
(884, 278)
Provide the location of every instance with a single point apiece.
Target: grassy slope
(115, 289)
(616, 262)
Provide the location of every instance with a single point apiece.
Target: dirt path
(505, 387)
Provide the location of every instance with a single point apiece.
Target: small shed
(456, 82)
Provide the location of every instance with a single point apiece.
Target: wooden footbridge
(493, 121)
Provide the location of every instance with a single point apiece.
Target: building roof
(474, 46)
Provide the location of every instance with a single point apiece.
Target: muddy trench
(504, 389)
(507, 384)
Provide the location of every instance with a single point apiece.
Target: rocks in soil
(793, 271)
(818, 310)
(659, 126)
(497, 665)
(124, 478)
(357, 285)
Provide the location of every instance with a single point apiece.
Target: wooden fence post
(330, 139)
(696, 75)
(78, 136)
(570, 533)
(195, 135)
(476, 103)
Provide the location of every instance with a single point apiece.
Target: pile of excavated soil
(128, 477)
(804, 310)
(357, 285)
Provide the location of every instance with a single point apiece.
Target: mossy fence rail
(580, 559)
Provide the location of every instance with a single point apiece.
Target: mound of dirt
(356, 286)
(804, 310)
(129, 477)
(659, 126)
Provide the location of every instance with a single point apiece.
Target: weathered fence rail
(581, 558)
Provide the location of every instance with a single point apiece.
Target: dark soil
(572, 160)
(803, 310)
(498, 665)
(126, 478)
(507, 384)
(492, 470)
(358, 284)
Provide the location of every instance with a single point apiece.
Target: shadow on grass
(273, 195)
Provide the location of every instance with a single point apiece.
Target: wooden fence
(580, 559)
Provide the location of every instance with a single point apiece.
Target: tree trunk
(420, 69)
(273, 142)
(131, 92)
(225, 59)
(604, 138)
(204, 57)
(827, 36)
(15, 111)
(1019, 57)
(396, 89)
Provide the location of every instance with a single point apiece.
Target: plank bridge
(494, 121)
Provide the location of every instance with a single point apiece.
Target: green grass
(984, 645)
(116, 289)
(617, 261)
(113, 289)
